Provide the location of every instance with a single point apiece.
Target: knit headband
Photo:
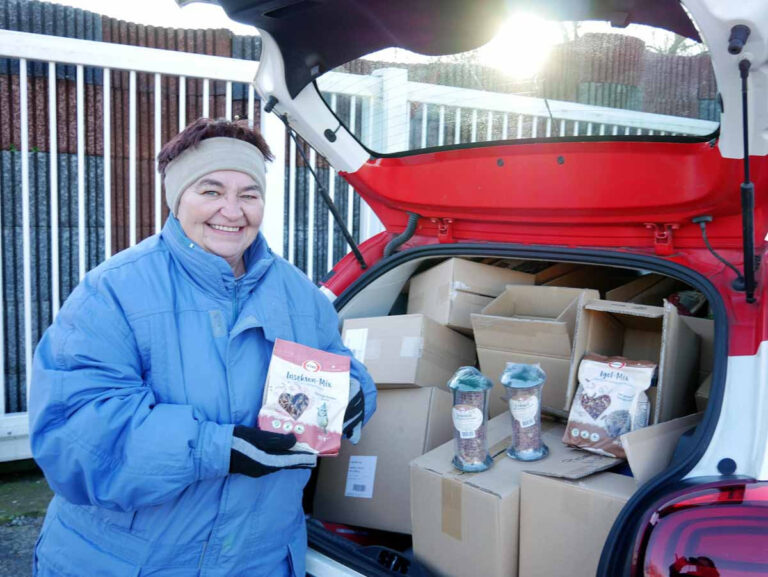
(210, 155)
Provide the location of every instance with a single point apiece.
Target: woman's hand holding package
(353, 417)
(256, 453)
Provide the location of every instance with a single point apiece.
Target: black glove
(353, 416)
(256, 452)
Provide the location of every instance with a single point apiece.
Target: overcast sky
(162, 13)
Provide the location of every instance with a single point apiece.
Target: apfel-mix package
(609, 402)
(306, 393)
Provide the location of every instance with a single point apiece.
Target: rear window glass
(535, 79)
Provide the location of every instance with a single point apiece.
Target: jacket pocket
(67, 552)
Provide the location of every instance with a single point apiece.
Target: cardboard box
(449, 292)
(467, 524)
(602, 279)
(368, 484)
(554, 271)
(530, 324)
(407, 350)
(650, 289)
(542, 271)
(565, 523)
(642, 332)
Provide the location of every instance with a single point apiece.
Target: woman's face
(222, 213)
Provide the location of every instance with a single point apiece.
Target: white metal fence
(109, 58)
(385, 111)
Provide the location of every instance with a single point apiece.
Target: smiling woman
(159, 360)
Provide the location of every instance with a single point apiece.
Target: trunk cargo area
(396, 497)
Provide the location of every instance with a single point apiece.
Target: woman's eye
(251, 196)
(210, 193)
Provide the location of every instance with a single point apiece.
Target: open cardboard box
(530, 324)
(573, 518)
(470, 524)
(642, 333)
(404, 351)
(449, 292)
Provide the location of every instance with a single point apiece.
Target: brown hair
(203, 128)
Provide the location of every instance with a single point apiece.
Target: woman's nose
(232, 207)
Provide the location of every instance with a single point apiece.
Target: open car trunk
(395, 505)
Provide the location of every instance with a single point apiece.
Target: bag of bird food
(306, 393)
(609, 402)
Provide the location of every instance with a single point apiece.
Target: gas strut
(268, 106)
(739, 35)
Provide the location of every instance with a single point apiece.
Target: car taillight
(716, 530)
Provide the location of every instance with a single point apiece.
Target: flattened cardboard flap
(649, 450)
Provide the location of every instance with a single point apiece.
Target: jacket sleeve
(331, 341)
(96, 429)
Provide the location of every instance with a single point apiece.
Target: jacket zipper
(235, 303)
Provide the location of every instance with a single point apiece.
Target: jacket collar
(211, 272)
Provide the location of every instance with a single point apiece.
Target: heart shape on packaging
(595, 405)
(294, 405)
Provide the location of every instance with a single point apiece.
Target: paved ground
(24, 497)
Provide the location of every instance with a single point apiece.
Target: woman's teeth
(225, 228)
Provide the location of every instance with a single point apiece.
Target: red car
(628, 137)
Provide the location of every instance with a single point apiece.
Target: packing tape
(412, 347)
(451, 507)
(355, 340)
(373, 350)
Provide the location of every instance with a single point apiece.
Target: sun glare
(522, 45)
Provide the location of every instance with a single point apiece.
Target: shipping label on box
(361, 476)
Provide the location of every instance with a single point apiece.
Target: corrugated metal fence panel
(40, 234)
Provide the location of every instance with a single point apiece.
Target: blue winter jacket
(136, 388)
